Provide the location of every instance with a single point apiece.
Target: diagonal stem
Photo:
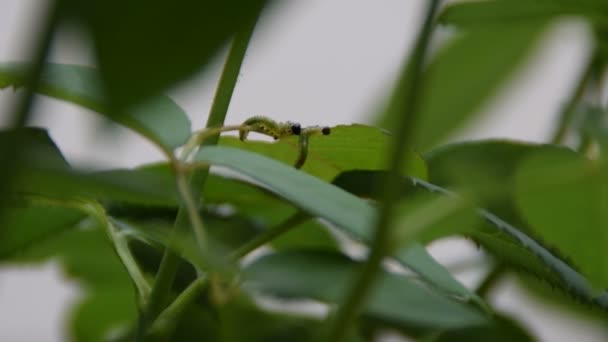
(406, 109)
(170, 261)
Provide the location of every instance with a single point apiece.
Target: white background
(318, 62)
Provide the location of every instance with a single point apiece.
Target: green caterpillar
(304, 135)
(267, 126)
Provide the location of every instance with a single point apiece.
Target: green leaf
(346, 148)
(515, 12)
(268, 211)
(26, 224)
(564, 197)
(303, 190)
(129, 186)
(502, 329)
(325, 276)
(485, 169)
(143, 47)
(159, 119)
(415, 256)
(462, 77)
(569, 279)
(312, 195)
(86, 255)
(37, 147)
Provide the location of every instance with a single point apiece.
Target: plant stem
(269, 234)
(567, 114)
(406, 109)
(170, 261)
(165, 323)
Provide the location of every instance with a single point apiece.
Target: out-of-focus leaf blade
(325, 277)
(159, 119)
(303, 190)
(88, 257)
(564, 197)
(463, 76)
(514, 12)
(346, 211)
(143, 47)
(346, 148)
(25, 224)
(502, 329)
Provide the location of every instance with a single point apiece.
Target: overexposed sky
(317, 62)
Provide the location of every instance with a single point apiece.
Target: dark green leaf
(325, 276)
(564, 198)
(159, 119)
(307, 192)
(485, 169)
(415, 256)
(502, 329)
(26, 224)
(346, 148)
(515, 12)
(462, 77)
(144, 47)
(310, 194)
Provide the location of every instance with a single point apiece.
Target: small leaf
(346, 148)
(143, 47)
(462, 77)
(159, 119)
(564, 198)
(325, 277)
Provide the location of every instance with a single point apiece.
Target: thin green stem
(269, 235)
(121, 246)
(191, 206)
(165, 323)
(406, 109)
(170, 261)
(201, 136)
(566, 116)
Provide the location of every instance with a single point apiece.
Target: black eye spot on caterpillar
(326, 130)
(296, 129)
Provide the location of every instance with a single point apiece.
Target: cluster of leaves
(120, 233)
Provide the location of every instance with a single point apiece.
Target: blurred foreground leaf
(159, 119)
(515, 12)
(143, 47)
(462, 77)
(325, 276)
(564, 197)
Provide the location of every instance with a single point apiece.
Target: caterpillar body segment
(267, 126)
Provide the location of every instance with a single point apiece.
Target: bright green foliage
(564, 196)
(536, 208)
(346, 148)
